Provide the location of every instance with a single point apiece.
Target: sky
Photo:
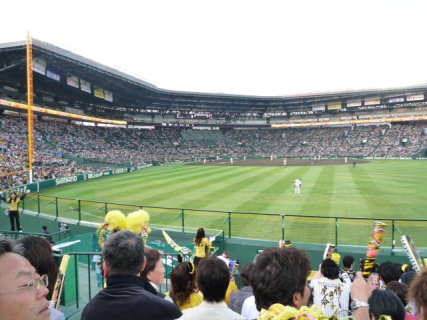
(261, 48)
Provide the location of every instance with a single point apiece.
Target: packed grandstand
(162, 126)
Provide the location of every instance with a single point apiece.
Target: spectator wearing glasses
(39, 252)
(23, 292)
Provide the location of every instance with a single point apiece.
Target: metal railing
(80, 286)
(352, 231)
(53, 236)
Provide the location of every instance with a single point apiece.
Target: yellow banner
(60, 113)
(99, 93)
(334, 106)
(334, 123)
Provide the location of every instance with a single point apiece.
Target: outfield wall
(244, 225)
(244, 250)
(45, 184)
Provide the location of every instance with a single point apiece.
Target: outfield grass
(377, 190)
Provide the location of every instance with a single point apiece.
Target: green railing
(274, 227)
(54, 236)
(81, 283)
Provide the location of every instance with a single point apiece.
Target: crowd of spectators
(62, 148)
(276, 286)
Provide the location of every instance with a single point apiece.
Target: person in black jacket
(13, 201)
(125, 297)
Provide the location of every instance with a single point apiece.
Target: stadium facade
(72, 84)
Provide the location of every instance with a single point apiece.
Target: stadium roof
(132, 94)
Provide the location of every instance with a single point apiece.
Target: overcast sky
(237, 47)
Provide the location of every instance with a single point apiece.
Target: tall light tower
(30, 107)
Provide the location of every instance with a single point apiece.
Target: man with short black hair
(348, 263)
(389, 271)
(47, 234)
(213, 278)
(125, 297)
(329, 292)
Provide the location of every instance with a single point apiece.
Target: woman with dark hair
(183, 286)
(14, 201)
(401, 290)
(202, 245)
(154, 272)
(386, 303)
(38, 251)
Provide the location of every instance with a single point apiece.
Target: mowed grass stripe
(317, 191)
(187, 190)
(286, 201)
(376, 198)
(226, 194)
(148, 180)
(340, 187)
(353, 202)
(135, 188)
(405, 185)
(276, 192)
(264, 195)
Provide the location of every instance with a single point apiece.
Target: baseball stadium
(79, 139)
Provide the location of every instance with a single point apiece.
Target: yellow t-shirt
(231, 288)
(13, 205)
(201, 248)
(196, 298)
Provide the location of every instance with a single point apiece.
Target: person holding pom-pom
(14, 201)
(114, 221)
(137, 222)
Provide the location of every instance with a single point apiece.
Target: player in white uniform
(298, 184)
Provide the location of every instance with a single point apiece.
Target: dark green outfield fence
(341, 231)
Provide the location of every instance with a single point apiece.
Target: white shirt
(249, 310)
(157, 289)
(55, 314)
(226, 261)
(331, 295)
(211, 311)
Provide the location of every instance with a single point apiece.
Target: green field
(381, 189)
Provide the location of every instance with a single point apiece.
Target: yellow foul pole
(30, 107)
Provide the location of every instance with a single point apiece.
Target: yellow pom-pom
(280, 312)
(135, 221)
(116, 220)
(336, 257)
